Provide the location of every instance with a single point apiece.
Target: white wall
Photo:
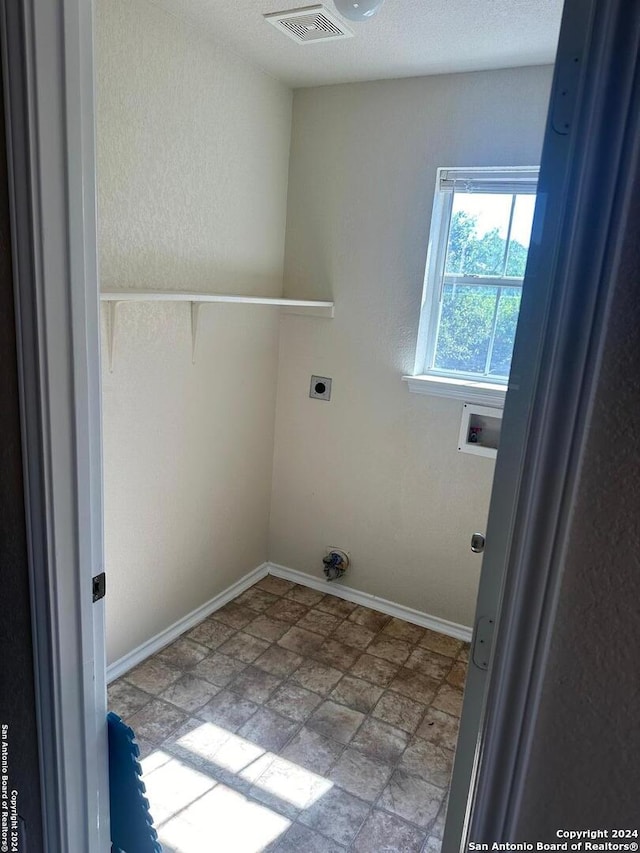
(193, 148)
(376, 470)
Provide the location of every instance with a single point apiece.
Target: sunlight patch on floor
(284, 779)
(191, 808)
(292, 783)
(173, 786)
(220, 747)
(222, 819)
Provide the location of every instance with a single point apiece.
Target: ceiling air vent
(310, 24)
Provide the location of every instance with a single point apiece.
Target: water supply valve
(336, 562)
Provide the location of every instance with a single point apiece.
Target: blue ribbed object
(131, 822)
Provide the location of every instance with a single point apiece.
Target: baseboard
(416, 617)
(164, 638)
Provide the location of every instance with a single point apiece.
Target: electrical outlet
(320, 388)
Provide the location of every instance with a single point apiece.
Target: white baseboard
(416, 617)
(164, 638)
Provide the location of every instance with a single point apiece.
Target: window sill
(485, 393)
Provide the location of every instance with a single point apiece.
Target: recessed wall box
(480, 430)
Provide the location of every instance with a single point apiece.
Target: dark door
(18, 735)
(560, 572)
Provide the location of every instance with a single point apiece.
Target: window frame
(429, 379)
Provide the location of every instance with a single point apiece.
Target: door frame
(584, 192)
(47, 55)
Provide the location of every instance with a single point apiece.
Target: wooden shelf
(115, 298)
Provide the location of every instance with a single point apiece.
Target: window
(478, 246)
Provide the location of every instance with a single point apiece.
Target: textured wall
(377, 470)
(193, 148)
(585, 771)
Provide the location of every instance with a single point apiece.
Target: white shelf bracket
(195, 308)
(112, 317)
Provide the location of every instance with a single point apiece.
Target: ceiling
(407, 38)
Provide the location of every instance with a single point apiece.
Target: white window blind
(488, 181)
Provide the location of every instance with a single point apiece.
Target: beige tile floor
(291, 720)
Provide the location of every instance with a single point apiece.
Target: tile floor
(291, 720)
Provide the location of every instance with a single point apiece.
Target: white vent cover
(309, 24)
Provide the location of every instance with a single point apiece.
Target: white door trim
(48, 77)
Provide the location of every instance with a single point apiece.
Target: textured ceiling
(407, 38)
